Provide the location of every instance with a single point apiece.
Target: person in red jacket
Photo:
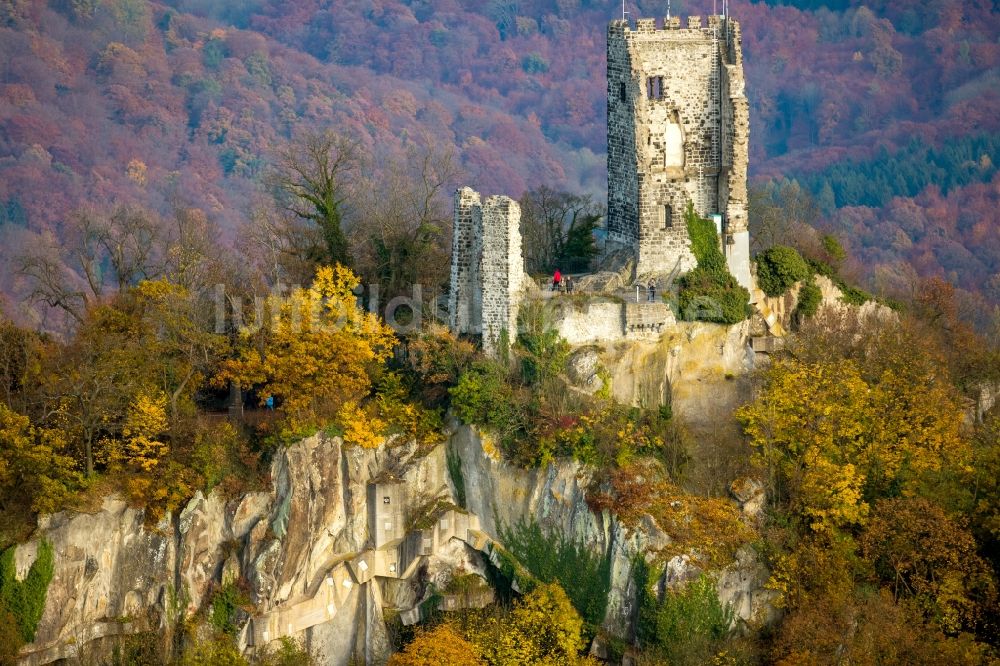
(556, 280)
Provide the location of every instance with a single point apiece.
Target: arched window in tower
(673, 143)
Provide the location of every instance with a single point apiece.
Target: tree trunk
(89, 454)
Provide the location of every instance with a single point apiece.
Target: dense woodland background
(151, 151)
(885, 113)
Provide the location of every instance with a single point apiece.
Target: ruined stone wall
(466, 249)
(487, 268)
(737, 157)
(677, 133)
(502, 269)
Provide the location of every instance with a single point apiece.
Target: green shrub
(834, 250)
(610, 436)
(822, 268)
(850, 295)
(484, 396)
(853, 295)
(584, 575)
(545, 352)
(713, 297)
(704, 242)
(810, 298)
(226, 604)
(778, 268)
(688, 626)
(25, 599)
(286, 652)
(710, 292)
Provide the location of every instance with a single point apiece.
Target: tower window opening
(666, 215)
(622, 91)
(654, 87)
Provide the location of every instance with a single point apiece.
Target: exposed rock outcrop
(299, 546)
(114, 575)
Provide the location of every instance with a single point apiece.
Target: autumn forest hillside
(884, 113)
(206, 208)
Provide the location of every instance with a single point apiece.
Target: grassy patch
(454, 462)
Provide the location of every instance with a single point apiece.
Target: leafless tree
(312, 181)
(782, 213)
(102, 253)
(558, 229)
(402, 221)
(280, 247)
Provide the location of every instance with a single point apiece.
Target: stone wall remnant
(487, 268)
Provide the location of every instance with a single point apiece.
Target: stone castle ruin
(487, 269)
(678, 126)
(678, 135)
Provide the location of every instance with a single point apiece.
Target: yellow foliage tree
(36, 475)
(916, 427)
(362, 427)
(829, 435)
(819, 566)
(924, 554)
(441, 646)
(151, 339)
(318, 353)
(543, 628)
(143, 431)
(152, 477)
(868, 629)
(809, 426)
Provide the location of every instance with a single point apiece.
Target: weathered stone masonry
(678, 126)
(487, 269)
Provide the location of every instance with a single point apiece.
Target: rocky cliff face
(555, 497)
(114, 575)
(298, 545)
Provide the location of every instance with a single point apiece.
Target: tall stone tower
(678, 126)
(487, 270)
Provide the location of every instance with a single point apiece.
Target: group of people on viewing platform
(562, 284)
